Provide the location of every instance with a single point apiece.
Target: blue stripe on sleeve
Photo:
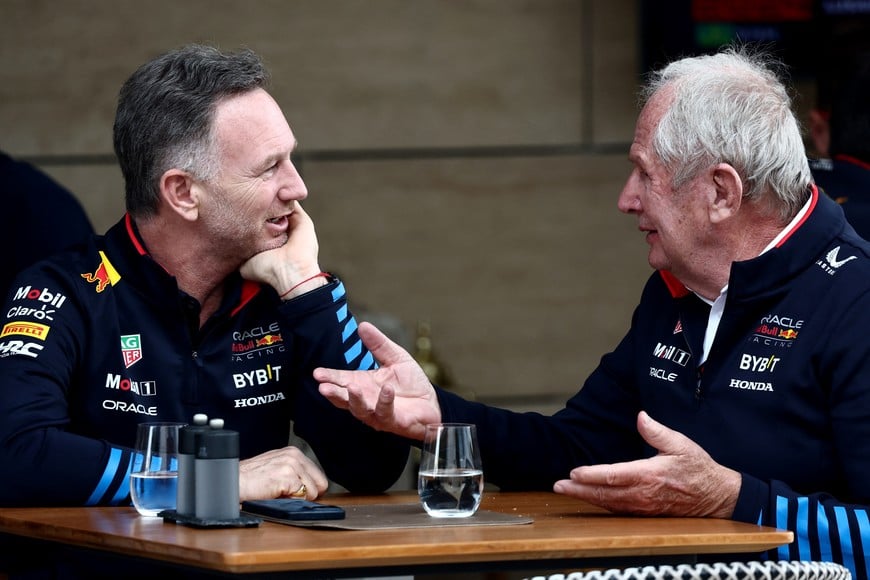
(108, 474)
(759, 521)
(824, 536)
(338, 292)
(353, 352)
(124, 487)
(845, 538)
(366, 362)
(864, 527)
(349, 329)
(782, 523)
(341, 313)
(802, 533)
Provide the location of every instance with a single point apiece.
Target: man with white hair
(742, 388)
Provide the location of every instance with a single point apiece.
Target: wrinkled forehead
(656, 106)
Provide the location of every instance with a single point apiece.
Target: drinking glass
(450, 480)
(154, 477)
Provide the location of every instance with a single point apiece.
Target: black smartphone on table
(293, 509)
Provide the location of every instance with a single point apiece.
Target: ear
(180, 193)
(727, 193)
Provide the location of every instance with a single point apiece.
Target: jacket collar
(129, 256)
(801, 243)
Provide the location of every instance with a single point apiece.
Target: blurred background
(463, 157)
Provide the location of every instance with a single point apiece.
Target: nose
(629, 201)
(292, 185)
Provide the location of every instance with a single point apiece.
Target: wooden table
(565, 532)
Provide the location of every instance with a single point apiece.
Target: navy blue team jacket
(847, 180)
(784, 397)
(94, 342)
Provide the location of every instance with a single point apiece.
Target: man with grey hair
(742, 388)
(206, 297)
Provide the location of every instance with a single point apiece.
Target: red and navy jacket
(96, 341)
(783, 397)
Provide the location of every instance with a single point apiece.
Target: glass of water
(154, 477)
(450, 480)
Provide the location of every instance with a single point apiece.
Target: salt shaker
(185, 504)
(217, 473)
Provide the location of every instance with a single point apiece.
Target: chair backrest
(784, 570)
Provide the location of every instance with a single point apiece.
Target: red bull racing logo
(268, 340)
(257, 341)
(777, 330)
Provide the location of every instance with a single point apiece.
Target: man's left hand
(284, 267)
(682, 480)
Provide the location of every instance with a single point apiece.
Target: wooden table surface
(563, 529)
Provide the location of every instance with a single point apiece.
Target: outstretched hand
(682, 480)
(397, 397)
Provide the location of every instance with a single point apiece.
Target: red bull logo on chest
(104, 275)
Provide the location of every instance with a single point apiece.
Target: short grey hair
(165, 115)
(732, 107)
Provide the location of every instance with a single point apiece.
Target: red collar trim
(853, 160)
(675, 287)
(249, 290)
(131, 231)
(678, 289)
(814, 199)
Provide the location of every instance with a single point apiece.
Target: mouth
(279, 224)
(648, 232)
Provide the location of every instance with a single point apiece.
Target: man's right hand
(397, 397)
(286, 472)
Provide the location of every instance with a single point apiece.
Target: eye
(637, 169)
(271, 169)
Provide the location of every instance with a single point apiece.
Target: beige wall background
(463, 157)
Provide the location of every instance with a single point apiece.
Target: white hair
(732, 108)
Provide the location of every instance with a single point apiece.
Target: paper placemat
(410, 515)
